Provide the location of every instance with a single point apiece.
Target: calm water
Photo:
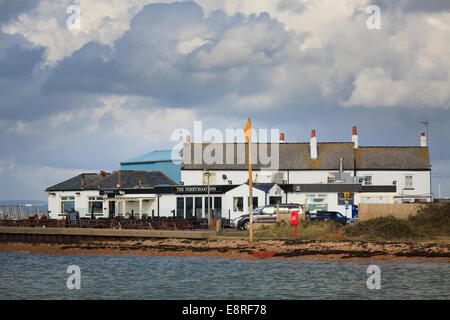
(36, 276)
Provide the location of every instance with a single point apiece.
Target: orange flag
(248, 130)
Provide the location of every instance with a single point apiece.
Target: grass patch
(431, 222)
(307, 230)
(385, 228)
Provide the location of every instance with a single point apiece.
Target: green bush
(385, 228)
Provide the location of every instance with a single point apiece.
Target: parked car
(328, 216)
(264, 214)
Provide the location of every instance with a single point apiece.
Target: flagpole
(250, 183)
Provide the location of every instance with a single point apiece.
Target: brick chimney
(281, 137)
(313, 145)
(423, 140)
(355, 138)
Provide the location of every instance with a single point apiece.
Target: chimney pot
(423, 140)
(355, 138)
(313, 145)
(281, 137)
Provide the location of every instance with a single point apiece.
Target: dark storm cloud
(17, 60)
(146, 61)
(10, 9)
(414, 5)
(291, 5)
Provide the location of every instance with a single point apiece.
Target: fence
(367, 211)
(19, 212)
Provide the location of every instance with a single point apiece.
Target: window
(67, 204)
(316, 203)
(367, 180)
(255, 202)
(341, 198)
(180, 207)
(274, 200)
(207, 205)
(189, 207)
(95, 204)
(278, 177)
(198, 207)
(408, 181)
(217, 207)
(238, 204)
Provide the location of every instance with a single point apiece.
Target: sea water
(40, 276)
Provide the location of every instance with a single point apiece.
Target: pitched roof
(296, 156)
(402, 158)
(264, 186)
(82, 181)
(129, 179)
(133, 179)
(292, 156)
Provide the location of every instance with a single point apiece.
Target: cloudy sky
(83, 99)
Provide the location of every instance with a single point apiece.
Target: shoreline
(349, 250)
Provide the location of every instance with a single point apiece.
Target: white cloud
(28, 182)
(103, 21)
(116, 115)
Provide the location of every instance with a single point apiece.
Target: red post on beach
(294, 221)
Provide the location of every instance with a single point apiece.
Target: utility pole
(248, 134)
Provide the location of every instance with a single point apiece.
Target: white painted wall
(241, 191)
(195, 177)
(421, 181)
(332, 200)
(81, 203)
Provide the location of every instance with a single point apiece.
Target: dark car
(328, 216)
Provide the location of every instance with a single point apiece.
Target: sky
(82, 98)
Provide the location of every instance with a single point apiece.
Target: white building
(316, 174)
(107, 195)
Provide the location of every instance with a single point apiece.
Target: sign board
(73, 216)
(197, 189)
(355, 212)
(342, 200)
(346, 206)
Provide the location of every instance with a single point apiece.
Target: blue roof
(154, 156)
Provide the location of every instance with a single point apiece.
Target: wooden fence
(367, 211)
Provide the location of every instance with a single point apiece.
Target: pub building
(334, 176)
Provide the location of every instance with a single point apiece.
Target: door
(274, 200)
(180, 207)
(198, 207)
(112, 209)
(217, 207)
(189, 207)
